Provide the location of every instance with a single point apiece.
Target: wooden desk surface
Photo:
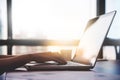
(104, 70)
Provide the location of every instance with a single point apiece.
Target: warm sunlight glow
(51, 19)
(115, 29)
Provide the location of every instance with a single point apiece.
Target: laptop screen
(92, 38)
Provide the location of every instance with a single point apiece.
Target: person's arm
(10, 63)
(6, 56)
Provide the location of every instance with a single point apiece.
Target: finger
(51, 57)
(59, 59)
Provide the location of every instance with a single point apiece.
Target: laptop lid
(93, 38)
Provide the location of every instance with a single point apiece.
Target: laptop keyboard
(71, 63)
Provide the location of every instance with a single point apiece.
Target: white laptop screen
(93, 38)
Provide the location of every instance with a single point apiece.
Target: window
(50, 19)
(114, 33)
(40, 20)
(3, 25)
(3, 21)
(115, 29)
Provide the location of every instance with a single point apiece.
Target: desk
(104, 70)
(3, 76)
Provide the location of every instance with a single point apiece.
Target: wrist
(31, 57)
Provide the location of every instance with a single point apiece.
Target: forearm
(11, 63)
(6, 56)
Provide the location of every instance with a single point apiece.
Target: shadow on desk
(3, 76)
(110, 67)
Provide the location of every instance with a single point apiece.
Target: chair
(115, 43)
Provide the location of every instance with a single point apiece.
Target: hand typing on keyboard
(11, 62)
(53, 57)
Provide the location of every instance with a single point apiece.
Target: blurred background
(62, 21)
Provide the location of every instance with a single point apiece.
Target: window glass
(3, 19)
(3, 50)
(51, 19)
(115, 29)
(114, 33)
(34, 49)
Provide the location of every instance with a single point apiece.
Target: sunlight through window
(115, 29)
(51, 19)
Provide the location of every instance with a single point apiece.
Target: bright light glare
(115, 29)
(51, 19)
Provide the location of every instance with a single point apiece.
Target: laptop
(86, 53)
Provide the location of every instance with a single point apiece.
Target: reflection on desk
(104, 70)
(3, 76)
(111, 67)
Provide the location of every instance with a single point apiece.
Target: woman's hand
(8, 63)
(47, 56)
